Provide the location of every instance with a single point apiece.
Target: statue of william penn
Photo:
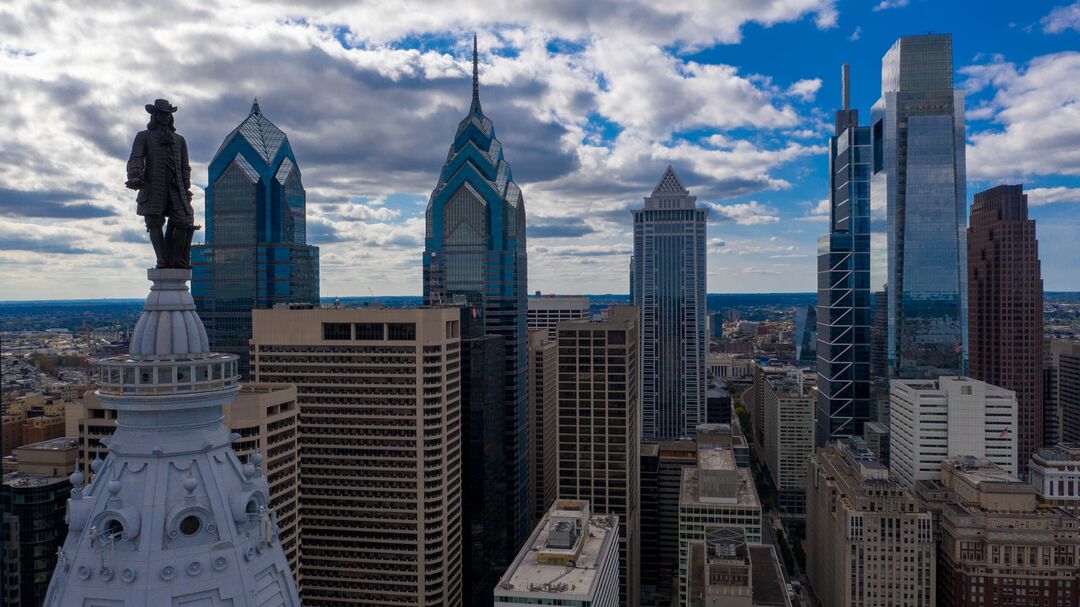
(159, 170)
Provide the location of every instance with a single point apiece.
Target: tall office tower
(599, 429)
(843, 312)
(547, 311)
(571, 558)
(171, 516)
(264, 415)
(1051, 414)
(869, 541)
(998, 545)
(543, 421)
(879, 356)
(754, 397)
(933, 420)
(33, 500)
(715, 492)
(806, 336)
(380, 449)
(1055, 474)
(919, 177)
(789, 436)
(485, 546)
(669, 289)
(474, 253)
(256, 253)
(1005, 295)
(726, 571)
(1065, 361)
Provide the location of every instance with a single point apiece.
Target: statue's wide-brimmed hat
(160, 105)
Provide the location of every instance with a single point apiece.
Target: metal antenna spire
(475, 109)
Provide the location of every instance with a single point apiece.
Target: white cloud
(1041, 196)
(887, 4)
(805, 89)
(1062, 18)
(855, 35)
(744, 213)
(1036, 110)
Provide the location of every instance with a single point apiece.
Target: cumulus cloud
(1062, 18)
(887, 4)
(1035, 112)
(744, 213)
(1041, 196)
(855, 35)
(590, 100)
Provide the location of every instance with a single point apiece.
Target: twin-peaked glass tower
(474, 254)
(256, 253)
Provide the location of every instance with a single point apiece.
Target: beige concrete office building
(869, 541)
(599, 428)
(380, 449)
(264, 415)
(789, 435)
(547, 311)
(543, 422)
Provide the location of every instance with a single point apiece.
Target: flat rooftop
(746, 494)
(716, 459)
(24, 480)
(770, 588)
(528, 575)
(54, 444)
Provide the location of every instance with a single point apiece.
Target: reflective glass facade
(668, 285)
(474, 254)
(256, 252)
(843, 309)
(919, 177)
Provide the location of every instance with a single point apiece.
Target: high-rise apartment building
(843, 281)
(571, 558)
(934, 420)
(599, 429)
(998, 546)
(264, 415)
(715, 492)
(379, 392)
(869, 541)
(547, 311)
(485, 548)
(256, 253)
(1054, 472)
(1005, 295)
(919, 177)
(669, 288)
(33, 500)
(474, 254)
(789, 436)
(543, 421)
(1065, 364)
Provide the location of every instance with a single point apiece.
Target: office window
(336, 331)
(370, 331)
(402, 331)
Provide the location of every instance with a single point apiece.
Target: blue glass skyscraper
(256, 253)
(474, 254)
(919, 177)
(668, 285)
(843, 309)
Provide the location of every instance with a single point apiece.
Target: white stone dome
(169, 325)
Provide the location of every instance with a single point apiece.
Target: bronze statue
(159, 170)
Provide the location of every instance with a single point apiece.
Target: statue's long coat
(150, 163)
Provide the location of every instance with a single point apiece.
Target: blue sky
(590, 100)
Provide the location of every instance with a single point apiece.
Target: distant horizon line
(4, 302)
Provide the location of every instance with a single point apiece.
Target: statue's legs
(154, 223)
(178, 236)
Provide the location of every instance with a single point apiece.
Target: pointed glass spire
(255, 107)
(475, 108)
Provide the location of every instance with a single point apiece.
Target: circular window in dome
(190, 525)
(114, 529)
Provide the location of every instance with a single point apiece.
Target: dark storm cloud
(557, 227)
(52, 244)
(53, 204)
(322, 232)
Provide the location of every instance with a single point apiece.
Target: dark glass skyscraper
(919, 178)
(668, 285)
(1005, 292)
(474, 254)
(843, 311)
(256, 252)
